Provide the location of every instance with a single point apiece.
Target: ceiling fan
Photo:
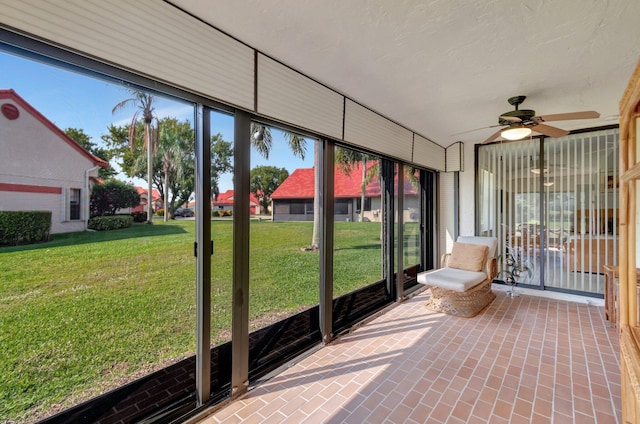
(519, 123)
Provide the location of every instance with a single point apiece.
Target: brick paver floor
(522, 360)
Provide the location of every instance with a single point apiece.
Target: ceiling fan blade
(549, 130)
(492, 137)
(589, 114)
(510, 118)
(477, 129)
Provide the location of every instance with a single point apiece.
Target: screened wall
(155, 321)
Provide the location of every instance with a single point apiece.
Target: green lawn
(87, 312)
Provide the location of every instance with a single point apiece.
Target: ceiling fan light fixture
(538, 171)
(537, 168)
(515, 133)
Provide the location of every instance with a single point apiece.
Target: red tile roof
(300, 184)
(226, 198)
(143, 191)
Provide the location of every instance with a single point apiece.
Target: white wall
(467, 192)
(11, 201)
(33, 154)
(466, 201)
(446, 212)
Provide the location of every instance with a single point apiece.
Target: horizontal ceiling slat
(150, 37)
(367, 129)
(287, 95)
(429, 154)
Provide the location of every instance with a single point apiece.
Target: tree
(119, 146)
(111, 195)
(221, 161)
(84, 140)
(347, 159)
(174, 153)
(264, 180)
(175, 150)
(262, 141)
(143, 102)
(174, 159)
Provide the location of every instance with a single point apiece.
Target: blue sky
(69, 99)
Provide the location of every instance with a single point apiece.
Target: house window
(74, 204)
(309, 208)
(281, 207)
(342, 207)
(297, 208)
(367, 204)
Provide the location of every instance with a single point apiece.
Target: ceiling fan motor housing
(516, 100)
(524, 115)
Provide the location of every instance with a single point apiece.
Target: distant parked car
(183, 212)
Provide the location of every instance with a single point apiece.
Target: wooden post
(628, 301)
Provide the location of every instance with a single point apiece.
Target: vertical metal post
(428, 220)
(326, 240)
(400, 235)
(542, 163)
(456, 205)
(388, 221)
(240, 302)
(203, 254)
(147, 135)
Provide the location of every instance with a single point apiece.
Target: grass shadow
(84, 237)
(360, 247)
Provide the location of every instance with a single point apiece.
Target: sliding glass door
(552, 204)
(581, 202)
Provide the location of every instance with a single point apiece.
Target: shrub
(106, 223)
(160, 212)
(111, 195)
(24, 227)
(139, 216)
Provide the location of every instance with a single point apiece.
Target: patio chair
(462, 285)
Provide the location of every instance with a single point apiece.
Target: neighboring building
(41, 168)
(224, 201)
(293, 199)
(142, 207)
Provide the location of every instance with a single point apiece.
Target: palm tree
(263, 143)
(347, 159)
(174, 147)
(143, 102)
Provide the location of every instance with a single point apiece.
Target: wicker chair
(463, 292)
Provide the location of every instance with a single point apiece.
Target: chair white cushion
(452, 279)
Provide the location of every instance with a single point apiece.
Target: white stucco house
(41, 168)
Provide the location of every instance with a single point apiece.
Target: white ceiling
(441, 67)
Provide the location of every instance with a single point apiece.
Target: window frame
(75, 204)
